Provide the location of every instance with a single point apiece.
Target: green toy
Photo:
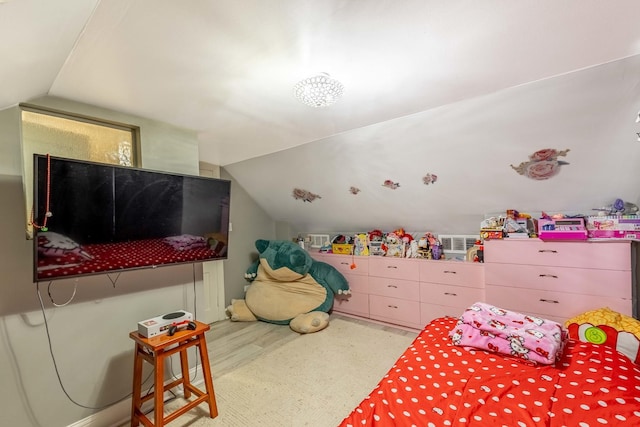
(289, 287)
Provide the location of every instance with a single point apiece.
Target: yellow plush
(607, 327)
(310, 322)
(304, 324)
(239, 312)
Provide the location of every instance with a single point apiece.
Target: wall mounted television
(91, 218)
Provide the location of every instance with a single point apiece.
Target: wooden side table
(155, 350)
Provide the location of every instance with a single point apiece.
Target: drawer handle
(391, 266)
(344, 263)
(451, 272)
(392, 306)
(451, 294)
(547, 250)
(392, 286)
(549, 275)
(550, 301)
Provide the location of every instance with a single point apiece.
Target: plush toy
(289, 287)
(619, 207)
(361, 247)
(393, 245)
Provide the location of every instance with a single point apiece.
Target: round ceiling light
(318, 91)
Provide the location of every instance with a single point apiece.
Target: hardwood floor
(233, 344)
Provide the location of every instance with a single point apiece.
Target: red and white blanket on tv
(436, 383)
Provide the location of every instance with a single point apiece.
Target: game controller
(175, 326)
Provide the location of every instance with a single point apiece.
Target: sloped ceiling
(459, 89)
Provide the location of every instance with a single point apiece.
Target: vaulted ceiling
(459, 88)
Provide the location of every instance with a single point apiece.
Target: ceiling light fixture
(318, 91)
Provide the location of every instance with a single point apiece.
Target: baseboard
(119, 413)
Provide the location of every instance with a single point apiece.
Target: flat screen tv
(91, 218)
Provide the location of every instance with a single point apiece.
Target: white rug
(314, 380)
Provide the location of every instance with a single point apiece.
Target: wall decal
(354, 190)
(304, 195)
(543, 164)
(429, 178)
(390, 184)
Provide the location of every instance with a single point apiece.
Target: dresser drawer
(395, 288)
(357, 283)
(392, 310)
(455, 296)
(398, 268)
(357, 304)
(452, 273)
(428, 312)
(608, 283)
(343, 263)
(549, 303)
(597, 255)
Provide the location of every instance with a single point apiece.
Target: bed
(438, 383)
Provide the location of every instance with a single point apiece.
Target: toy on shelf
(618, 207)
(376, 238)
(341, 244)
(614, 226)
(560, 227)
(425, 243)
(360, 248)
(436, 251)
(392, 245)
(476, 252)
(492, 228)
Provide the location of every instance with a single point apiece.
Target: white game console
(162, 324)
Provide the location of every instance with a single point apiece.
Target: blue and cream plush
(289, 287)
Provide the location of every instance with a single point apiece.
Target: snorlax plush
(289, 287)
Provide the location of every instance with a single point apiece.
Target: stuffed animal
(361, 247)
(393, 245)
(289, 287)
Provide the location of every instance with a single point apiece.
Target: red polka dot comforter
(436, 383)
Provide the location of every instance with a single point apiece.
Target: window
(72, 136)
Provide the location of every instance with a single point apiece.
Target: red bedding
(436, 383)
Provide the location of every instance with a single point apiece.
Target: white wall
(471, 146)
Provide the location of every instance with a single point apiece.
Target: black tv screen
(91, 218)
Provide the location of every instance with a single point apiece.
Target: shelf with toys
(401, 244)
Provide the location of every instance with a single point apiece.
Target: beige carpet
(314, 380)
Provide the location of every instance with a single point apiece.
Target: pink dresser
(394, 291)
(558, 280)
(358, 278)
(406, 292)
(447, 288)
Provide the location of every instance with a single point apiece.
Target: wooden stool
(155, 350)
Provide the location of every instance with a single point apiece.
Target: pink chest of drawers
(559, 280)
(447, 288)
(356, 271)
(394, 291)
(406, 292)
